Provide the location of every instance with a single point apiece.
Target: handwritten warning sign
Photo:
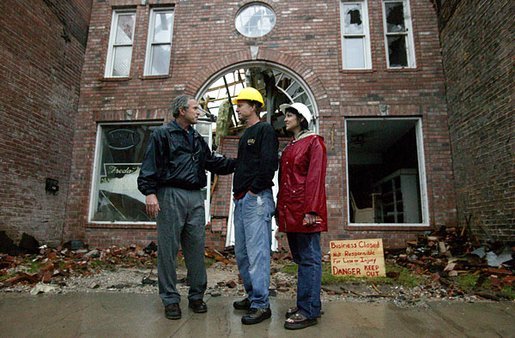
(359, 258)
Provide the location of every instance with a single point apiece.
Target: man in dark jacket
(254, 206)
(172, 176)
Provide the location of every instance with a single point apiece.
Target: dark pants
(306, 252)
(181, 221)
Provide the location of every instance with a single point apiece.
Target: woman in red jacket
(302, 210)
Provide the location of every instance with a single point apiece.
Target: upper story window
(255, 20)
(159, 42)
(355, 35)
(398, 34)
(121, 40)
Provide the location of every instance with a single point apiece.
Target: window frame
(149, 50)
(367, 54)
(112, 42)
(253, 35)
(93, 196)
(408, 35)
(424, 199)
(208, 137)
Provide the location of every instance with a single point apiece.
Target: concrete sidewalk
(141, 315)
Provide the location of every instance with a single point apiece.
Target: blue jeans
(306, 252)
(253, 236)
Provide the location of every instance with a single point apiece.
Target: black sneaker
(243, 304)
(198, 306)
(173, 311)
(255, 316)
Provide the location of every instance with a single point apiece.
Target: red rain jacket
(302, 185)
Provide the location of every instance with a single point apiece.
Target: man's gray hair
(181, 101)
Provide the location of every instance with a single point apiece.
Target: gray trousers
(181, 221)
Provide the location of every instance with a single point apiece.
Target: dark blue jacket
(171, 160)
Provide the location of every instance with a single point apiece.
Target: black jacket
(171, 160)
(257, 159)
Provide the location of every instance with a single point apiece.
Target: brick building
(370, 71)
(477, 49)
(42, 45)
(379, 99)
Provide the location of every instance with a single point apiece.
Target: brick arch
(292, 63)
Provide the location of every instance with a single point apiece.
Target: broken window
(119, 152)
(205, 129)
(119, 53)
(398, 34)
(159, 42)
(255, 20)
(386, 180)
(276, 86)
(355, 35)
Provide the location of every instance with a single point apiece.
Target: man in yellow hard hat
(254, 205)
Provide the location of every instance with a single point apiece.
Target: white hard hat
(300, 108)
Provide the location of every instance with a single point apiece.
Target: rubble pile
(445, 264)
(460, 264)
(57, 265)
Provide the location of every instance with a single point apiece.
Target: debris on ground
(445, 264)
(460, 264)
(56, 265)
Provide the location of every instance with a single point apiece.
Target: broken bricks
(52, 265)
(447, 254)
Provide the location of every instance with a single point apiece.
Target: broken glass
(353, 22)
(397, 55)
(395, 17)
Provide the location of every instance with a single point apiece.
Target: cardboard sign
(359, 258)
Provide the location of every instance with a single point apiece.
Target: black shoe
(198, 306)
(173, 311)
(298, 321)
(293, 310)
(243, 304)
(255, 316)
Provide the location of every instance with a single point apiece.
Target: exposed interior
(383, 171)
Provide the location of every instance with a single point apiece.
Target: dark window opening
(397, 51)
(383, 171)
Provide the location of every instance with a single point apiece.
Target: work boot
(198, 306)
(243, 304)
(255, 316)
(173, 311)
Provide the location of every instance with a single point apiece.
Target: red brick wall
(477, 41)
(306, 41)
(42, 48)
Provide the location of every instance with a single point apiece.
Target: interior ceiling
(375, 135)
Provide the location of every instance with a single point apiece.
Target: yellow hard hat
(250, 94)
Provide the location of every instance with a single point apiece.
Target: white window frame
(150, 43)
(93, 194)
(408, 35)
(424, 208)
(365, 35)
(113, 45)
(257, 31)
(208, 137)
